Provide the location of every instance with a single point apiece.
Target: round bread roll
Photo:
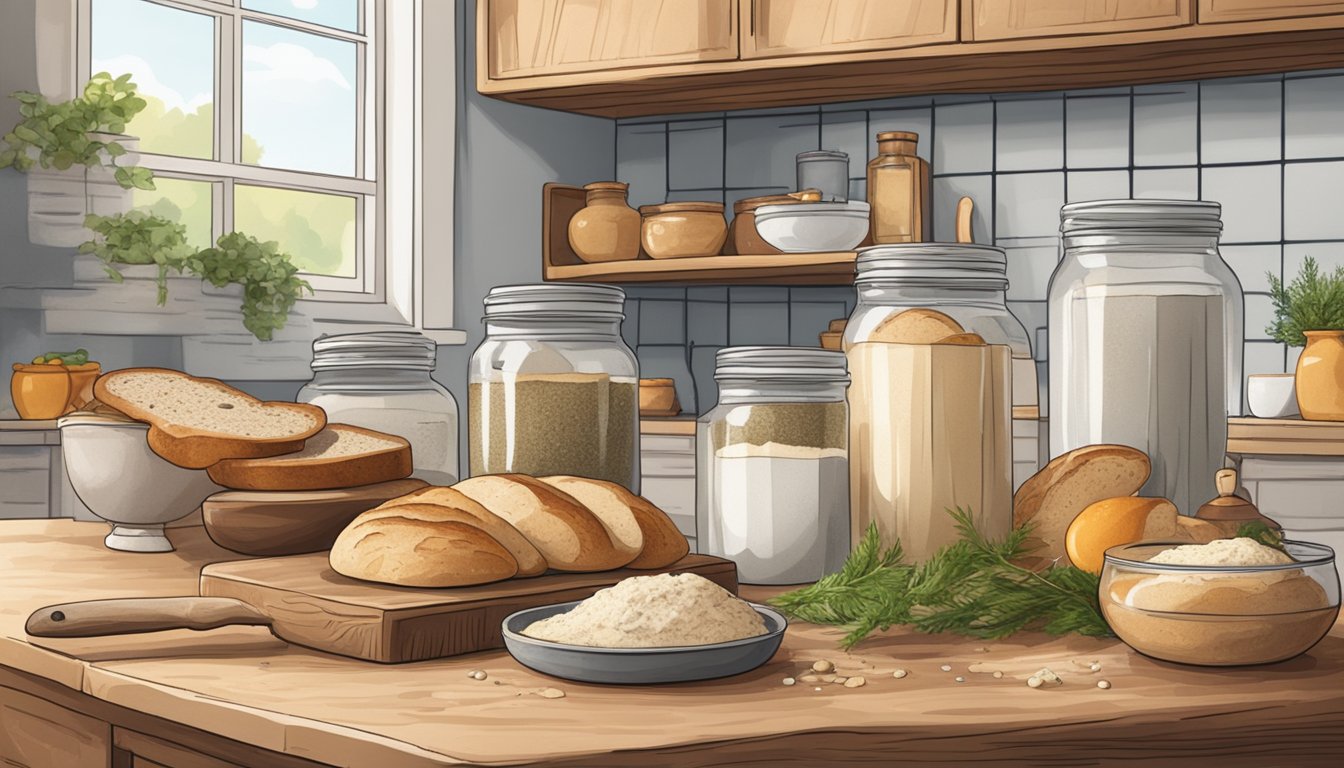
(632, 521)
(530, 560)
(420, 546)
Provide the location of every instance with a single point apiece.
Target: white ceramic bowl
(813, 227)
(121, 480)
(1271, 395)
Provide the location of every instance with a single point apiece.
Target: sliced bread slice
(1053, 497)
(632, 521)
(530, 560)
(197, 422)
(569, 535)
(420, 545)
(340, 456)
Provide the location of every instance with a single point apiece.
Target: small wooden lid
(653, 210)
(613, 186)
(1230, 507)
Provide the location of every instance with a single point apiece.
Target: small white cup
(1271, 395)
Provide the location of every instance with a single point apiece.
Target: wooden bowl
(658, 397)
(683, 230)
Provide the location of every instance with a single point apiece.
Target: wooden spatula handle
(965, 210)
(94, 618)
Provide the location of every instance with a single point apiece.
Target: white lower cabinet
(667, 478)
(1302, 493)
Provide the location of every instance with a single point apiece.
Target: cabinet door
(787, 27)
(1007, 19)
(1251, 10)
(545, 37)
(38, 734)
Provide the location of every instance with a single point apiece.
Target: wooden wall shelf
(1284, 437)
(559, 262)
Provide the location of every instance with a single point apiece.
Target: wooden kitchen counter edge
(235, 692)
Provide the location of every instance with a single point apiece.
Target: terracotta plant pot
(51, 391)
(606, 228)
(683, 230)
(1320, 376)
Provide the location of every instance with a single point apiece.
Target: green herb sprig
(972, 587)
(1313, 301)
(1263, 533)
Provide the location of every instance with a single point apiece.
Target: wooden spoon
(965, 209)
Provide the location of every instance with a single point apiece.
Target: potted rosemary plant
(1309, 313)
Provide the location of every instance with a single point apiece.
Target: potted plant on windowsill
(78, 159)
(1309, 313)
(267, 277)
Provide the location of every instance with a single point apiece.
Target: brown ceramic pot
(1320, 376)
(683, 230)
(606, 228)
(50, 391)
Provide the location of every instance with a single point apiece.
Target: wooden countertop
(244, 684)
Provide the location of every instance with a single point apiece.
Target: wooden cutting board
(312, 605)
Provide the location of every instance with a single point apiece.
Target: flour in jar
(665, 610)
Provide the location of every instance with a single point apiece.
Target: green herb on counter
(1259, 531)
(971, 587)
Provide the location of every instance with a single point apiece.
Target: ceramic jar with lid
(683, 230)
(382, 381)
(553, 389)
(772, 473)
(898, 190)
(606, 228)
(826, 170)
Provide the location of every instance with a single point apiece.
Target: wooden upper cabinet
(787, 27)
(1254, 10)
(547, 37)
(1007, 19)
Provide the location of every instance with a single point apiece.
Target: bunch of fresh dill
(972, 587)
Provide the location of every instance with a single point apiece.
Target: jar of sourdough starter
(553, 389)
(930, 402)
(771, 472)
(382, 381)
(1146, 339)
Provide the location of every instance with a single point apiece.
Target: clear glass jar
(553, 389)
(964, 281)
(382, 381)
(930, 423)
(772, 471)
(1146, 339)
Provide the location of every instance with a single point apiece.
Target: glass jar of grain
(382, 381)
(772, 467)
(930, 417)
(553, 389)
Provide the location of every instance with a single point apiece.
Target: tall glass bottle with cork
(898, 190)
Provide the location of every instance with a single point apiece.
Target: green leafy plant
(57, 135)
(1263, 533)
(1314, 301)
(972, 587)
(270, 281)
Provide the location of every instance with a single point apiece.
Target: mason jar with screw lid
(772, 470)
(382, 381)
(553, 389)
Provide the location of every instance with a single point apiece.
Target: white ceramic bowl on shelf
(813, 227)
(1271, 395)
(121, 480)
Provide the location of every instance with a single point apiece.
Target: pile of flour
(1228, 552)
(653, 612)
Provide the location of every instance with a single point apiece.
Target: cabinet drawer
(1251, 10)
(549, 37)
(1007, 19)
(38, 734)
(789, 27)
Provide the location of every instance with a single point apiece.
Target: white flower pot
(1271, 395)
(58, 201)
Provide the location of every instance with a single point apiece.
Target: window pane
(299, 99)
(317, 230)
(341, 14)
(183, 201)
(170, 54)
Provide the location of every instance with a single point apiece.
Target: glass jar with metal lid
(553, 389)
(967, 282)
(382, 381)
(772, 469)
(1146, 339)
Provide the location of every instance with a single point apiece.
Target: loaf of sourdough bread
(530, 560)
(420, 545)
(633, 522)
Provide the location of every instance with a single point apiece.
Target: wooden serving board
(312, 605)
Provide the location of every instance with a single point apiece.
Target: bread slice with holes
(340, 456)
(1050, 499)
(530, 560)
(196, 422)
(420, 545)
(567, 533)
(631, 520)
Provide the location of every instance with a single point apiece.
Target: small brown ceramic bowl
(683, 230)
(658, 397)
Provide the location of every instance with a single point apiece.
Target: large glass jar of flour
(771, 472)
(553, 389)
(965, 281)
(1146, 339)
(930, 406)
(382, 381)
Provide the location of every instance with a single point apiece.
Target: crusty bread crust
(409, 551)
(1053, 497)
(663, 544)
(199, 448)
(283, 473)
(530, 560)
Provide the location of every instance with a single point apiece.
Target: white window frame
(393, 278)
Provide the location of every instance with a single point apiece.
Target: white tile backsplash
(641, 162)
(1029, 270)
(1027, 204)
(1240, 121)
(1251, 201)
(1328, 256)
(1030, 135)
(848, 132)
(916, 119)
(1314, 117)
(695, 154)
(963, 136)
(1251, 262)
(1097, 132)
(1312, 197)
(761, 150)
(947, 191)
(1258, 314)
(1098, 185)
(1166, 183)
(1166, 125)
